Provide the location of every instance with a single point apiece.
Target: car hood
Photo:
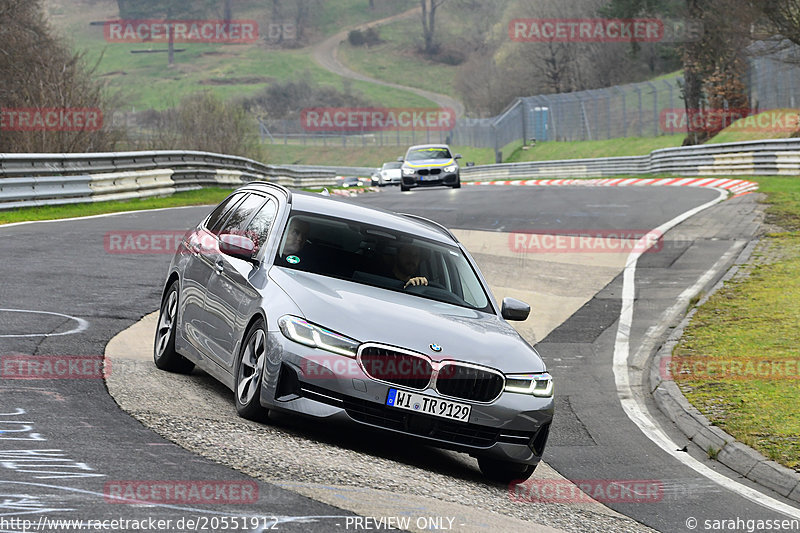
(372, 314)
(430, 163)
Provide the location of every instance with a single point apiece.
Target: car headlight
(408, 171)
(540, 385)
(303, 332)
(450, 168)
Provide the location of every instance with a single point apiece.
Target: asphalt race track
(64, 442)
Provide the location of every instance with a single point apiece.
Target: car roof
(334, 207)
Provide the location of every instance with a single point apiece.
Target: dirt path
(325, 54)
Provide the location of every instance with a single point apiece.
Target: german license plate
(420, 403)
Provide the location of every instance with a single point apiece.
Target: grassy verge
(750, 327)
(208, 196)
(396, 61)
(772, 124)
(552, 150)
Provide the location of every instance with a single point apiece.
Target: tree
(662, 9)
(429, 8)
(784, 15)
(40, 72)
(715, 65)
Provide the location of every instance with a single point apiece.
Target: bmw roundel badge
(435, 347)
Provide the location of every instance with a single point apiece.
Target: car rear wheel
(249, 373)
(164, 354)
(505, 471)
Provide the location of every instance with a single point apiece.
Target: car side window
(239, 219)
(220, 213)
(259, 228)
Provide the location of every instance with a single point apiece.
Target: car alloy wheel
(249, 372)
(164, 354)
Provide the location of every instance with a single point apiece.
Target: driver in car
(406, 265)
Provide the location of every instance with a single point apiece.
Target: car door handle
(219, 267)
(196, 247)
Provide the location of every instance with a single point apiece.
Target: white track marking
(638, 413)
(82, 324)
(102, 215)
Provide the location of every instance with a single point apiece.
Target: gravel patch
(198, 414)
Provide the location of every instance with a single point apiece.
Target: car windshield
(380, 257)
(428, 153)
(392, 165)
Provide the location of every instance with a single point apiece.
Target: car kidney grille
(469, 383)
(399, 368)
(431, 171)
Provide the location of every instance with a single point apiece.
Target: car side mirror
(514, 309)
(237, 246)
(401, 159)
(457, 156)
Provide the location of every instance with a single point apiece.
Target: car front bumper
(445, 178)
(515, 427)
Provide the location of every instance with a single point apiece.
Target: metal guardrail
(51, 179)
(754, 158)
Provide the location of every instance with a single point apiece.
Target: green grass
(229, 70)
(396, 61)
(754, 319)
(553, 150)
(208, 196)
(760, 126)
(331, 17)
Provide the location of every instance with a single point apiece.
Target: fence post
(655, 107)
(639, 122)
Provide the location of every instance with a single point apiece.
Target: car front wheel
(164, 354)
(249, 373)
(505, 471)
(457, 184)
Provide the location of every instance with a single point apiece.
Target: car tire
(457, 184)
(505, 471)
(164, 355)
(250, 373)
(403, 188)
